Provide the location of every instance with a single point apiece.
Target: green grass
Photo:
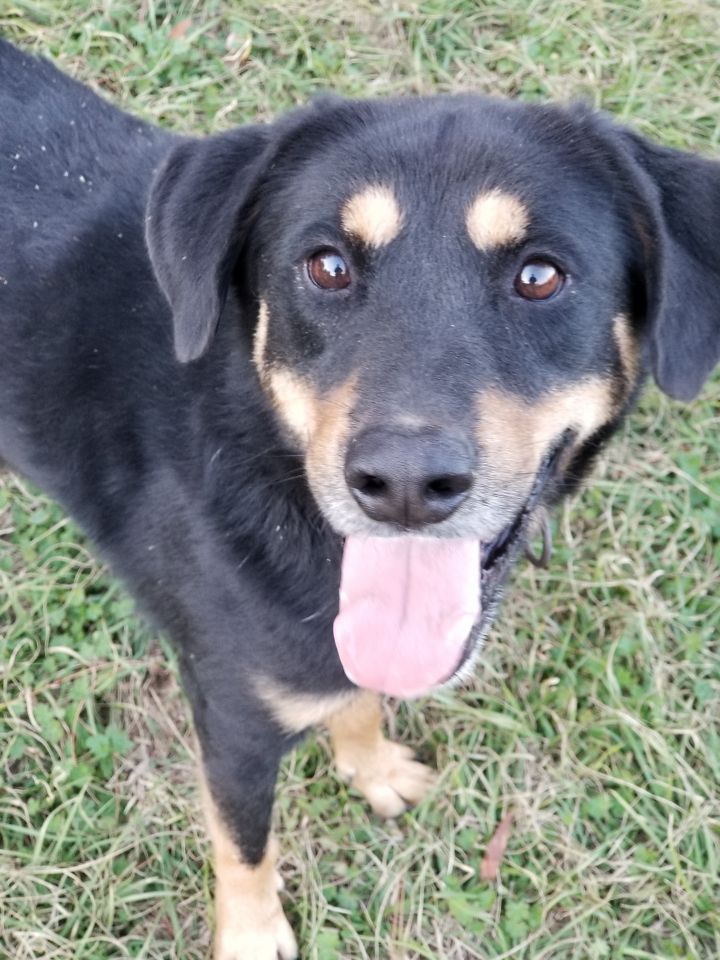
(595, 715)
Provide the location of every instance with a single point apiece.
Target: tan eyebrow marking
(372, 216)
(496, 218)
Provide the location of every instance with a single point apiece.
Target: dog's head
(454, 302)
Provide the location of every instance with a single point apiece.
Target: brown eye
(538, 280)
(328, 270)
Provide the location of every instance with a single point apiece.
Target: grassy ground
(595, 715)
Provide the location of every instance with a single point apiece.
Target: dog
(308, 386)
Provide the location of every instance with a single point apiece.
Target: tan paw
(388, 776)
(262, 936)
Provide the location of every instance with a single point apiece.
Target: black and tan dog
(306, 386)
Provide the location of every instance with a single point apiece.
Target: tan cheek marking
(516, 434)
(496, 218)
(324, 458)
(296, 401)
(261, 335)
(628, 348)
(298, 711)
(248, 911)
(372, 216)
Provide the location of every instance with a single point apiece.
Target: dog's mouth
(499, 554)
(412, 607)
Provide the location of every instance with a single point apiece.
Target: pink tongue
(407, 605)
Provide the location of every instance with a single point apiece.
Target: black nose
(408, 478)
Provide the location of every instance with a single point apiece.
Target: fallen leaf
(180, 29)
(495, 850)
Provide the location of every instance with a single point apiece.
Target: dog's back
(74, 176)
(69, 147)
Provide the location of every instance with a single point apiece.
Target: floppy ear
(684, 279)
(196, 219)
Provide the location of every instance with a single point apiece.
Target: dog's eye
(328, 270)
(539, 280)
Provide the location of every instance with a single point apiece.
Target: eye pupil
(539, 280)
(328, 270)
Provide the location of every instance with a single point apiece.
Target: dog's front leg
(238, 783)
(386, 773)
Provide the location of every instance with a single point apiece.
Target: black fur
(180, 471)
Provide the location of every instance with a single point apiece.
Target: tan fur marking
(298, 711)
(296, 402)
(628, 348)
(516, 434)
(386, 773)
(249, 918)
(332, 428)
(372, 216)
(496, 218)
(260, 340)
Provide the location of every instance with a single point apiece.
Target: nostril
(440, 489)
(371, 485)
(367, 484)
(448, 487)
